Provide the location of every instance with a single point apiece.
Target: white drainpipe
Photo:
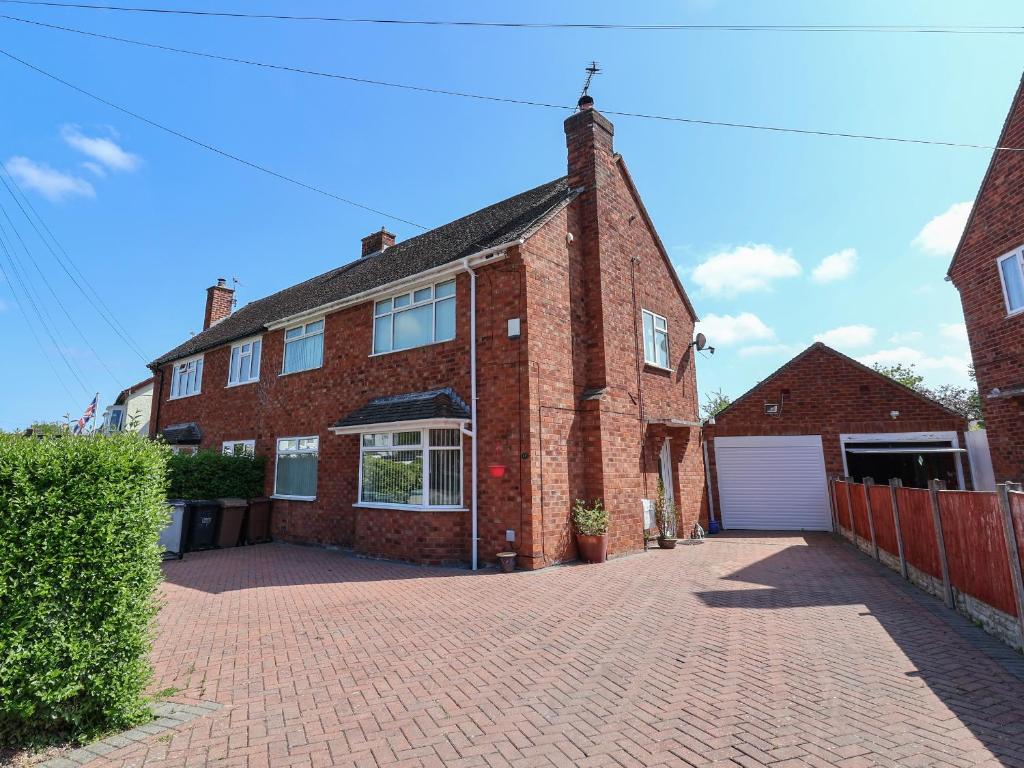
(472, 403)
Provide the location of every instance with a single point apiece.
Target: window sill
(282, 497)
(658, 368)
(1015, 313)
(409, 349)
(408, 507)
(304, 370)
(241, 384)
(182, 397)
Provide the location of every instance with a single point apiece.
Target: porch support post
(895, 483)
(933, 489)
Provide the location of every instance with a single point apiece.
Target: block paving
(744, 651)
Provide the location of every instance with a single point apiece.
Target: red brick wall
(220, 301)
(830, 396)
(997, 227)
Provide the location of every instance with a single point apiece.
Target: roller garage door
(772, 483)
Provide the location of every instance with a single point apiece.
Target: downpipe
(474, 541)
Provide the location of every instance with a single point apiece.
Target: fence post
(895, 483)
(868, 482)
(848, 481)
(1010, 535)
(831, 499)
(933, 491)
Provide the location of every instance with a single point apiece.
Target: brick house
(823, 413)
(558, 309)
(988, 271)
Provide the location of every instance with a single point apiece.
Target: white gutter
(452, 268)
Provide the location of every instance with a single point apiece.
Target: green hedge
(79, 567)
(214, 475)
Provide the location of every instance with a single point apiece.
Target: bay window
(187, 378)
(417, 468)
(304, 347)
(245, 362)
(415, 318)
(655, 340)
(295, 470)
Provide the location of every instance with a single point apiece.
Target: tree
(906, 375)
(47, 428)
(964, 400)
(715, 402)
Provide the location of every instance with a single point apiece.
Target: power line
(959, 29)
(460, 94)
(209, 147)
(101, 307)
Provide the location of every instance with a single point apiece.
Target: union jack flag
(87, 416)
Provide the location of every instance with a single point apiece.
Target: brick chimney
(588, 137)
(377, 242)
(220, 301)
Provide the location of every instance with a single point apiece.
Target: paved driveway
(785, 651)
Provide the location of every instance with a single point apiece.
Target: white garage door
(772, 483)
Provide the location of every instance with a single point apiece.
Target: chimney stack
(377, 242)
(220, 301)
(588, 137)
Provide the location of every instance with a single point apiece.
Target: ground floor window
(239, 447)
(295, 470)
(415, 468)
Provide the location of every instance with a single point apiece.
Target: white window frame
(413, 304)
(248, 448)
(1018, 254)
(119, 409)
(187, 450)
(197, 360)
(305, 335)
(277, 456)
(251, 342)
(655, 317)
(424, 429)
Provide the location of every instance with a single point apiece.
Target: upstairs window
(295, 473)
(1011, 271)
(115, 419)
(415, 319)
(420, 468)
(655, 340)
(245, 362)
(187, 378)
(304, 347)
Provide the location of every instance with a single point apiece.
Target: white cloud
(51, 184)
(104, 151)
(744, 268)
(907, 337)
(847, 336)
(761, 350)
(940, 364)
(723, 330)
(835, 266)
(940, 236)
(94, 168)
(954, 332)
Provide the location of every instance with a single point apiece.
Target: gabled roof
(412, 406)
(1014, 106)
(503, 222)
(819, 347)
(124, 393)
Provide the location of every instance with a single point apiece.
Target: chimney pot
(585, 102)
(220, 301)
(377, 242)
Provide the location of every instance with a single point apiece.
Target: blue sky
(780, 239)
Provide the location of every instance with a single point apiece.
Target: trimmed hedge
(79, 566)
(214, 475)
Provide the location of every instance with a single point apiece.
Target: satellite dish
(701, 341)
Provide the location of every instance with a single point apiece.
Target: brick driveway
(743, 651)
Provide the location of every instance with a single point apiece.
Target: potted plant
(665, 511)
(591, 524)
(507, 561)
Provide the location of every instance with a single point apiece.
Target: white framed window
(244, 367)
(187, 450)
(239, 447)
(1011, 273)
(295, 468)
(115, 419)
(187, 378)
(414, 318)
(418, 469)
(304, 347)
(655, 340)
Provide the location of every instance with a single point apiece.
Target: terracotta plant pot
(507, 561)
(667, 543)
(592, 549)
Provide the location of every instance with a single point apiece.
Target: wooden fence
(964, 546)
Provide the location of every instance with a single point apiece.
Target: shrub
(590, 521)
(214, 475)
(79, 565)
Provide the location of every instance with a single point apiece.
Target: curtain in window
(393, 477)
(303, 354)
(296, 474)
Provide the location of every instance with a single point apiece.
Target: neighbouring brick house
(357, 385)
(823, 413)
(988, 271)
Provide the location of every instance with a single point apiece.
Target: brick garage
(995, 321)
(568, 407)
(824, 394)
